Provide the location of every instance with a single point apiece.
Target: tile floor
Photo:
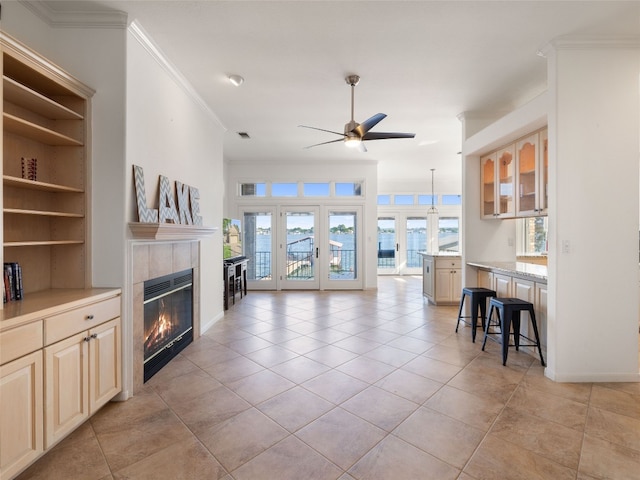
(353, 385)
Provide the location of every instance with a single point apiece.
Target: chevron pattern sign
(183, 203)
(145, 214)
(168, 212)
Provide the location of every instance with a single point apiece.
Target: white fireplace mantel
(169, 231)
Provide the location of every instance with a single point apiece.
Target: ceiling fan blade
(368, 124)
(385, 135)
(324, 143)
(322, 130)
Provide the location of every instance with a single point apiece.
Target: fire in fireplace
(168, 319)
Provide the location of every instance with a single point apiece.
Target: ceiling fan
(356, 133)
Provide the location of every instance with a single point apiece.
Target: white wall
(171, 133)
(363, 171)
(594, 135)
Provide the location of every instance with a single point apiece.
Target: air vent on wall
(244, 135)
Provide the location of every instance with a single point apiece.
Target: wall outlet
(566, 246)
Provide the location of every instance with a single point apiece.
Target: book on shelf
(13, 289)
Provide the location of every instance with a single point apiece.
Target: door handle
(397, 247)
(316, 252)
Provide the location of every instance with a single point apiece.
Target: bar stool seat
(478, 296)
(508, 315)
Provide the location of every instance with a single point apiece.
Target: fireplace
(168, 319)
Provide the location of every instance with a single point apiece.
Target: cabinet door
(502, 285)
(506, 178)
(485, 279)
(21, 432)
(488, 186)
(527, 163)
(427, 277)
(444, 293)
(104, 361)
(540, 307)
(543, 173)
(456, 284)
(66, 387)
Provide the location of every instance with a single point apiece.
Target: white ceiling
(420, 62)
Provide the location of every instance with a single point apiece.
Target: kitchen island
(441, 277)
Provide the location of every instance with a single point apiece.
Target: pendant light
(432, 223)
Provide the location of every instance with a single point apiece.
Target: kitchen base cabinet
(442, 279)
(21, 432)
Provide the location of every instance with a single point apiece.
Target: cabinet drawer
(69, 323)
(448, 262)
(19, 341)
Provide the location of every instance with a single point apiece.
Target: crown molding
(136, 30)
(81, 16)
(570, 42)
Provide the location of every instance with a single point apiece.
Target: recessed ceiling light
(236, 80)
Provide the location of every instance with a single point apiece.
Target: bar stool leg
(474, 316)
(460, 311)
(535, 331)
(486, 329)
(505, 325)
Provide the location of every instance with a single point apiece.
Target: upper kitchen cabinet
(498, 181)
(532, 172)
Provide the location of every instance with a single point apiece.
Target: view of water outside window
(448, 234)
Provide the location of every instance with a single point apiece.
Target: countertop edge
(517, 269)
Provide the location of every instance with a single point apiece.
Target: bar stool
(478, 297)
(508, 313)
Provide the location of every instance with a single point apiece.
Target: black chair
(478, 298)
(508, 315)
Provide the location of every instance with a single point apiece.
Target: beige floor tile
(242, 437)
(233, 369)
(289, 459)
(133, 442)
(184, 461)
(341, 436)
(578, 392)
(178, 366)
(614, 428)
(78, 457)
(271, 356)
(206, 352)
(300, 369)
(393, 356)
(468, 408)
(602, 459)
(394, 458)
(335, 386)
(357, 344)
(551, 407)
(279, 335)
(486, 386)
(178, 390)
(410, 344)
(434, 369)
(549, 439)
(379, 407)
(295, 408)
(331, 355)
(249, 344)
(329, 335)
(449, 440)
(260, 386)
(210, 409)
(366, 369)
(450, 355)
(497, 459)
(409, 385)
(616, 400)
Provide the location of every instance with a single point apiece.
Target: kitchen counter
(530, 271)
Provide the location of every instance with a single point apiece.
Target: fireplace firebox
(168, 319)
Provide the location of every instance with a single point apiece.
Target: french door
(400, 238)
(303, 247)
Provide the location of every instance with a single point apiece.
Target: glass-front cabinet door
(488, 187)
(506, 180)
(533, 174)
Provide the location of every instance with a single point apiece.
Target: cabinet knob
(94, 335)
(87, 339)
(89, 317)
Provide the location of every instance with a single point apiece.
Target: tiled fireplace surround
(151, 260)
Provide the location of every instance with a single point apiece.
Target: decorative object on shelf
(432, 222)
(145, 214)
(13, 289)
(29, 168)
(188, 211)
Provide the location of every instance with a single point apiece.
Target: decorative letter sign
(145, 214)
(188, 211)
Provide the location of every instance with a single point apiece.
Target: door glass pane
(448, 234)
(386, 242)
(257, 245)
(416, 240)
(342, 246)
(300, 246)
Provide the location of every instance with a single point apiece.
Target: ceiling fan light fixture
(352, 142)
(236, 80)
